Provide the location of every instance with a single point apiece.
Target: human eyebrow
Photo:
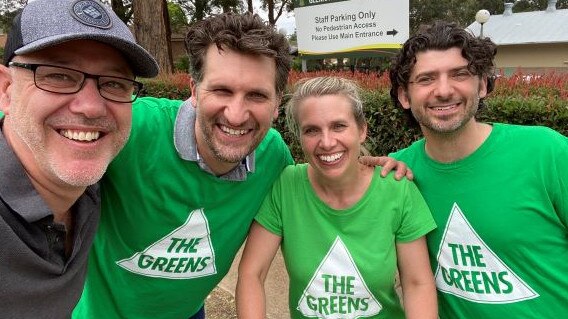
(426, 74)
(460, 68)
(308, 128)
(216, 87)
(259, 93)
(339, 123)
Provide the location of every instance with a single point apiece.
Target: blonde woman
(344, 230)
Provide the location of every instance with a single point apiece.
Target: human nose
(443, 87)
(236, 111)
(328, 140)
(88, 100)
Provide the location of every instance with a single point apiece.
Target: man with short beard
(498, 192)
(66, 90)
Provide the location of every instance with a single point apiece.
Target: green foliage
(534, 110)
(122, 8)
(6, 20)
(297, 64)
(463, 11)
(178, 19)
(227, 5)
(287, 135)
(388, 128)
(182, 64)
(1, 54)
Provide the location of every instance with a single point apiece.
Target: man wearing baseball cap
(66, 89)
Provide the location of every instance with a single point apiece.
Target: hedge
(520, 99)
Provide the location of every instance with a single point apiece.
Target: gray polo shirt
(185, 143)
(37, 280)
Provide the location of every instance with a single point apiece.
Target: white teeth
(231, 131)
(80, 135)
(443, 108)
(331, 158)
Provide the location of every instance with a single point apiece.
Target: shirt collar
(186, 145)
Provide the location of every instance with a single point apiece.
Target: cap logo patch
(91, 13)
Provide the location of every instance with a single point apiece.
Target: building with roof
(534, 42)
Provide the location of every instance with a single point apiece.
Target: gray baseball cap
(44, 23)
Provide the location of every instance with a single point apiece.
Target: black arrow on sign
(393, 32)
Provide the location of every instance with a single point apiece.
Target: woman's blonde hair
(319, 86)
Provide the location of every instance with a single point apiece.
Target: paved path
(220, 304)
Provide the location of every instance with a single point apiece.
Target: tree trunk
(270, 9)
(249, 6)
(152, 30)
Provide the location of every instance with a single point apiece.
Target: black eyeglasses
(57, 79)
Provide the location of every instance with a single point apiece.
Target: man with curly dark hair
(498, 192)
(479, 53)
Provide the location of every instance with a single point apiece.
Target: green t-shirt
(501, 248)
(169, 231)
(342, 263)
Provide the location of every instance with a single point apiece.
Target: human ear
(483, 87)
(193, 87)
(277, 107)
(5, 89)
(403, 98)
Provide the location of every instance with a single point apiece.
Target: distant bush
(182, 64)
(173, 86)
(519, 99)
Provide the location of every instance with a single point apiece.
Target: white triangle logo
(469, 269)
(337, 289)
(184, 253)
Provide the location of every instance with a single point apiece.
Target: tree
(275, 8)
(459, 11)
(463, 11)
(6, 20)
(152, 30)
(12, 5)
(178, 19)
(196, 9)
(122, 9)
(227, 5)
(536, 5)
(8, 10)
